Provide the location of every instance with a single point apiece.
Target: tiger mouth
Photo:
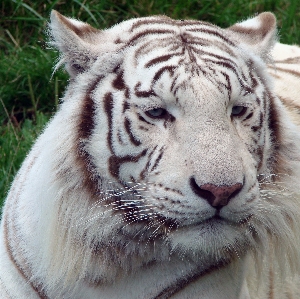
(217, 219)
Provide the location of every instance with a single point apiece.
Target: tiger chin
(170, 170)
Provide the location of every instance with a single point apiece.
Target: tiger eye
(238, 111)
(156, 113)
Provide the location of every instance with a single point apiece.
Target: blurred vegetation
(30, 93)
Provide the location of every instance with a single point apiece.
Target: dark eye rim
(163, 114)
(241, 112)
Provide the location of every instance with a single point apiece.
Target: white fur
(53, 219)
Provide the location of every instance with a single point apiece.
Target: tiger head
(173, 142)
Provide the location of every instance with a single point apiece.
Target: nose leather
(216, 196)
(221, 194)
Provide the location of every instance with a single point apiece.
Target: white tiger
(171, 169)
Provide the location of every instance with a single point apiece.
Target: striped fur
(171, 169)
(286, 72)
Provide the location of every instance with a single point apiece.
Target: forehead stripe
(162, 20)
(148, 32)
(160, 59)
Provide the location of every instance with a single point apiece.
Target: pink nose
(216, 196)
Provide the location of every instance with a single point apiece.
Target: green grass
(28, 93)
(14, 144)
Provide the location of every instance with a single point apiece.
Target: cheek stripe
(132, 138)
(116, 162)
(85, 128)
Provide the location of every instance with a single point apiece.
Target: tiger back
(170, 169)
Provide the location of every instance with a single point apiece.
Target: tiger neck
(217, 281)
(181, 281)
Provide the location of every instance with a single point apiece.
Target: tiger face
(186, 120)
(165, 157)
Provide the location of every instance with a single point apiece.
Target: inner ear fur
(75, 41)
(258, 33)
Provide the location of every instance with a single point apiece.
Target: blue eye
(238, 110)
(156, 113)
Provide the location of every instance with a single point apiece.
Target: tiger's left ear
(259, 33)
(76, 42)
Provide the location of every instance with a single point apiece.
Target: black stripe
(144, 120)
(157, 160)
(146, 168)
(292, 60)
(171, 44)
(291, 72)
(220, 58)
(226, 63)
(173, 85)
(288, 104)
(115, 162)
(274, 126)
(25, 273)
(143, 93)
(86, 122)
(126, 106)
(158, 74)
(160, 59)
(199, 24)
(160, 20)
(217, 34)
(143, 128)
(132, 138)
(182, 282)
(119, 83)
(120, 137)
(248, 116)
(228, 86)
(108, 106)
(251, 67)
(163, 20)
(184, 39)
(149, 32)
(85, 128)
(195, 41)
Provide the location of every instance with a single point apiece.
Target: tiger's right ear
(258, 33)
(76, 42)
